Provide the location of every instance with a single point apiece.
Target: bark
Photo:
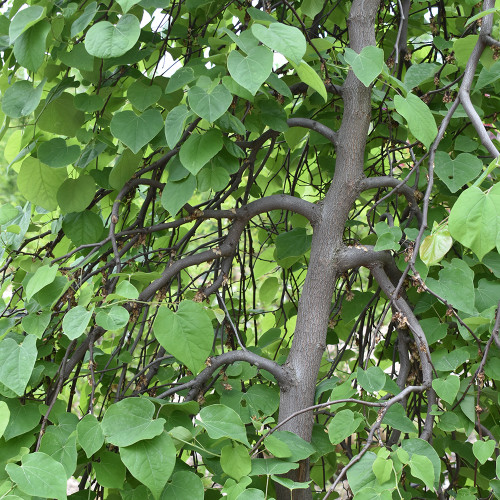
(325, 264)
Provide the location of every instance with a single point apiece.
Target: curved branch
(470, 70)
(227, 358)
(325, 131)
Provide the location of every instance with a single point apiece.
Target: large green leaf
(176, 194)
(151, 461)
(24, 19)
(311, 78)
(74, 195)
(142, 96)
(40, 476)
(174, 124)
(287, 40)
(56, 153)
(130, 421)
(21, 98)
(199, 149)
(4, 417)
(446, 387)
(209, 104)
(61, 446)
(43, 276)
(419, 117)
(367, 65)
(235, 461)
(435, 246)
(112, 319)
(136, 131)
(396, 418)
(110, 471)
(292, 245)
(39, 183)
(17, 362)
(371, 380)
(455, 173)
(84, 227)
(418, 446)
(185, 485)
(106, 40)
(124, 169)
(221, 421)
(483, 450)
(342, 425)
(475, 219)
(90, 435)
(60, 116)
(421, 467)
(29, 48)
(75, 322)
(187, 334)
(250, 71)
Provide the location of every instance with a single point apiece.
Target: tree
(257, 249)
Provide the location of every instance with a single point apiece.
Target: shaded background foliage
(250, 249)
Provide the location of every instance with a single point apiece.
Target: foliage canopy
(257, 253)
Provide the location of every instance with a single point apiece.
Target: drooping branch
(325, 131)
(470, 70)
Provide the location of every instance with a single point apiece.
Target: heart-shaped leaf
(211, 104)
(483, 450)
(455, 173)
(435, 246)
(367, 65)
(107, 40)
(74, 195)
(342, 425)
(135, 131)
(287, 40)
(475, 221)
(21, 99)
(17, 362)
(199, 149)
(447, 387)
(56, 153)
(142, 96)
(253, 70)
(176, 194)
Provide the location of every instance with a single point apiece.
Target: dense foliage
(256, 251)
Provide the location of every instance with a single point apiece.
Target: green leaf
(61, 446)
(136, 131)
(90, 435)
(56, 153)
(39, 475)
(449, 361)
(186, 334)
(4, 417)
(199, 149)
(251, 494)
(396, 418)
(367, 65)
(455, 285)
(474, 219)
(24, 19)
(17, 362)
(29, 47)
(418, 446)
(180, 79)
(382, 468)
(174, 124)
(417, 114)
(213, 177)
(112, 319)
(75, 195)
(21, 99)
(36, 324)
(311, 78)
(124, 169)
(371, 380)
(176, 194)
(447, 387)
(268, 466)
(483, 450)
(268, 290)
(298, 447)
(289, 483)
(421, 467)
(126, 5)
(106, 40)
(209, 104)
(185, 485)
(127, 290)
(75, 322)
(253, 70)
(130, 421)
(287, 40)
(292, 245)
(418, 73)
(8, 213)
(277, 447)
(23, 418)
(142, 96)
(39, 183)
(89, 103)
(43, 276)
(110, 471)
(235, 461)
(342, 425)
(84, 20)
(455, 173)
(311, 7)
(435, 246)
(60, 116)
(361, 474)
(151, 461)
(83, 227)
(221, 421)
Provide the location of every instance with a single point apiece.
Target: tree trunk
(314, 306)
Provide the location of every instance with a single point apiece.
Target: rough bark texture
(314, 307)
